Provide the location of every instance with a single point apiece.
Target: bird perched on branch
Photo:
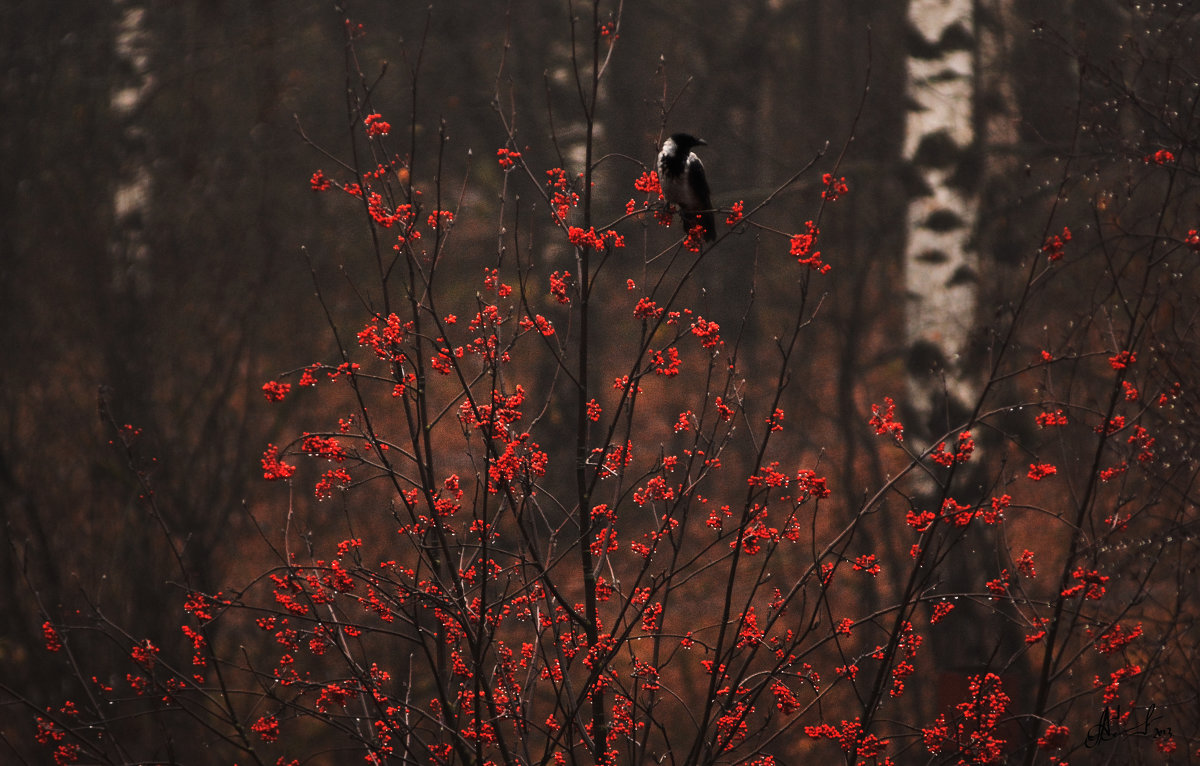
(681, 175)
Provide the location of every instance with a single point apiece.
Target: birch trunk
(940, 267)
(958, 63)
(941, 288)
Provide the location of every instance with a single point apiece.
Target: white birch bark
(940, 268)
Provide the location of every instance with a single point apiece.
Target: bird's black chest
(671, 165)
(676, 184)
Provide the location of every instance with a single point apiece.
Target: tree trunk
(131, 194)
(961, 103)
(941, 287)
(940, 267)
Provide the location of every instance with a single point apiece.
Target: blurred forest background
(168, 310)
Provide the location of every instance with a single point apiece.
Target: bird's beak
(701, 142)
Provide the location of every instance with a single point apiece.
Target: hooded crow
(681, 175)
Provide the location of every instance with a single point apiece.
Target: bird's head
(685, 141)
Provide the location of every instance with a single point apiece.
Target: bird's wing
(699, 182)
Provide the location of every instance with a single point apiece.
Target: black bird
(681, 175)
